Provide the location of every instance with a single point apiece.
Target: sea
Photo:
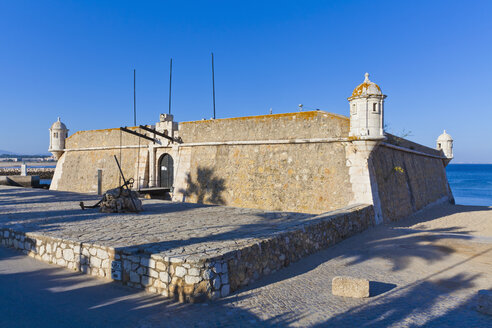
(471, 184)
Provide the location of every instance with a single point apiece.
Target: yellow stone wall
(79, 167)
(299, 125)
(311, 178)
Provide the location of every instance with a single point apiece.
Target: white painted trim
(222, 143)
(107, 147)
(263, 142)
(411, 151)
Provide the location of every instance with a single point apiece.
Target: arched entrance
(166, 171)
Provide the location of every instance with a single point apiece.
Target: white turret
(58, 134)
(445, 143)
(366, 111)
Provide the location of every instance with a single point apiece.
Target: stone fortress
(293, 183)
(310, 162)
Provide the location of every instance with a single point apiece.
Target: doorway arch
(166, 171)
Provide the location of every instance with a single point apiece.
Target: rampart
(89, 151)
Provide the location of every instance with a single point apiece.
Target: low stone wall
(200, 278)
(42, 172)
(269, 255)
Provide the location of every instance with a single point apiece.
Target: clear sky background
(75, 59)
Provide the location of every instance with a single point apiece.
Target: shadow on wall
(207, 188)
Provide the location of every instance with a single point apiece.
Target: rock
(151, 263)
(95, 262)
(191, 280)
(193, 272)
(208, 274)
(68, 255)
(160, 266)
(180, 271)
(120, 200)
(216, 283)
(164, 277)
(134, 277)
(484, 302)
(218, 268)
(350, 287)
(224, 278)
(102, 254)
(224, 291)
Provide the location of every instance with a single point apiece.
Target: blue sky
(75, 59)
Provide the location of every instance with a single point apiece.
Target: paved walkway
(165, 228)
(425, 270)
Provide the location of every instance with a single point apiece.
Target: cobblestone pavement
(424, 271)
(421, 276)
(172, 229)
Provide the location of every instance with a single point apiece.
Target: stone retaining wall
(42, 172)
(200, 278)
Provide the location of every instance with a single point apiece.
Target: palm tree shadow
(206, 188)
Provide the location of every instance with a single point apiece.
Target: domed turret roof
(59, 125)
(366, 88)
(444, 137)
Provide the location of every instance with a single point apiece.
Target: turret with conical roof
(445, 143)
(366, 111)
(58, 134)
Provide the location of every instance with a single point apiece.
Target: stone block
(208, 274)
(134, 277)
(164, 276)
(180, 272)
(68, 255)
(225, 290)
(484, 301)
(194, 272)
(350, 287)
(102, 254)
(191, 280)
(160, 266)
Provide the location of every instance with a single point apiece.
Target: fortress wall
(313, 124)
(311, 178)
(288, 176)
(401, 142)
(407, 182)
(78, 168)
(101, 138)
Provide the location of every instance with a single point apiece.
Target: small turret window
(354, 109)
(439, 145)
(375, 108)
(55, 134)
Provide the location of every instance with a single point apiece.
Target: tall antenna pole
(134, 99)
(170, 80)
(213, 82)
